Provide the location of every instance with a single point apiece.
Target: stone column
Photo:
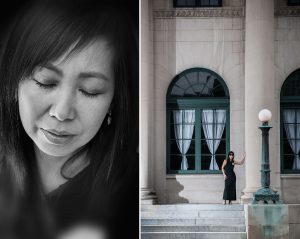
(259, 85)
(146, 103)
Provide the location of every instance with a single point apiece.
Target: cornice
(218, 12)
(199, 13)
(287, 11)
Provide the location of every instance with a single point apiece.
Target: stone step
(192, 221)
(194, 235)
(193, 207)
(192, 214)
(229, 228)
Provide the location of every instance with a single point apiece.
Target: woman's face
(64, 103)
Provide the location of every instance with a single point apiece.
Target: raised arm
(242, 161)
(223, 165)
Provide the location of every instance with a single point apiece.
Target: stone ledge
(199, 13)
(217, 12)
(192, 176)
(290, 176)
(288, 11)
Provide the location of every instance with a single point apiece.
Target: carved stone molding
(198, 13)
(288, 11)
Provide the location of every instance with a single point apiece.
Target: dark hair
(230, 152)
(43, 33)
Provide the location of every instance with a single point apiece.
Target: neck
(49, 168)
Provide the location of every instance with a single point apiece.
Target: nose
(63, 107)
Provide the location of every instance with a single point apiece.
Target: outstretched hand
(244, 157)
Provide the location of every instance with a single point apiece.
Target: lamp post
(265, 193)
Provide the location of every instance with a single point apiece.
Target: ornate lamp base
(265, 195)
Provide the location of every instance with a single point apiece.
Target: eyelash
(91, 95)
(44, 86)
(50, 86)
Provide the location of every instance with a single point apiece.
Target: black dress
(230, 188)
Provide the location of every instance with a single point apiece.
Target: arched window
(197, 122)
(290, 123)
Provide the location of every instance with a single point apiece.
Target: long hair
(43, 33)
(230, 152)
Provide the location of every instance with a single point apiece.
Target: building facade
(206, 72)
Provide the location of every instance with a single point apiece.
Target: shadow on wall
(174, 189)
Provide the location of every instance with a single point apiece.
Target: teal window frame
(197, 3)
(198, 104)
(287, 102)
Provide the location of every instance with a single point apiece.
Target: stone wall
(279, 221)
(287, 60)
(215, 43)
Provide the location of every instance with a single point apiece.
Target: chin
(54, 150)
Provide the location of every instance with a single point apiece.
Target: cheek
(94, 111)
(31, 109)
(92, 116)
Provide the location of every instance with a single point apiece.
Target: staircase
(193, 221)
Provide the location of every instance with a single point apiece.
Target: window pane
(191, 3)
(180, 2)
(218, 90)
(205, 162)
(204, 146)
(183, 129)
(224, 133)
(284, 136)
(193, 77)
(293, 2)
(183, 83)
(196, 3)
(177, 91)
(174, 148)
(287, 146)
(204, 2)
(291, 86)
(190, 91)
(220, 159)
(288, 161)
(214, 2)
(198, 83)
(187, 145)
(191, 162)
(222, 147)
(175, 163)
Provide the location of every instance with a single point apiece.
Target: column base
(247, 196)
(148, 197)
(266, 195)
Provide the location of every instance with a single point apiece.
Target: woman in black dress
(229, 176)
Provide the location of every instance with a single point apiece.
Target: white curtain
(292, 129)
(213, 123)
(184, 127)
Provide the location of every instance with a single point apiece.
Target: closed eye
(44, 86)
(89, 94)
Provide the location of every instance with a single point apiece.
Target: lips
(57, 137)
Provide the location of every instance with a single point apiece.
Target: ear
(16, 95)
(112, 104)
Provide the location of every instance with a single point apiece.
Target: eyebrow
(82, 75)
(51, 67)
(92, 74)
